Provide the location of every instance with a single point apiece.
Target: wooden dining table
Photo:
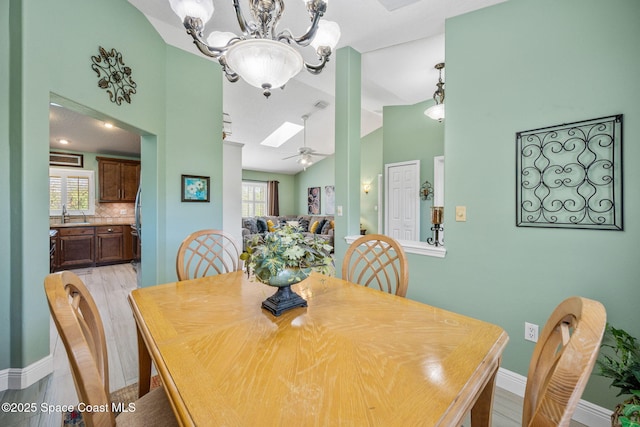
(353, 357)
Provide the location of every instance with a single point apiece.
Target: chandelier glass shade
(260, 55)
(264, 63)
(436, 112)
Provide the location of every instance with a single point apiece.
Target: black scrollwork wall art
(570, 175)
(115, 77)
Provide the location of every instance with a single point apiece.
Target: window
(73, 188)
(254, 198)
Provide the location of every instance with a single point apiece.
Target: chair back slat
(207, 252)
(562, 361)
(78, 322)
(377, 261)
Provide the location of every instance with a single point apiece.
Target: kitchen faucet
(63, 219)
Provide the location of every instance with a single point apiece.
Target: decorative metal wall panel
(115, 77)
(570, 175)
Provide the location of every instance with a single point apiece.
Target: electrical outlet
(530, 332)
(123, 211)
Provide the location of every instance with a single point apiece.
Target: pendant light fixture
(436, 112)
(263, 57)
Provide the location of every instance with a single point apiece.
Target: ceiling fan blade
(315, 153)
(291, 157)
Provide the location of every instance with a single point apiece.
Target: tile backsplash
(106, 213)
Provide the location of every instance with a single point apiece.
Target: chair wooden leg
(481, 411)
(144, 366)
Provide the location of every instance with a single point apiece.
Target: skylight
(281, 135)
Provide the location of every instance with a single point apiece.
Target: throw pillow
(320, 225)
(262, 225)
(250, 224)
(293, 223)
(326, 227)
(303, 223)
(271, 226)
(314, 227)
(333, 224)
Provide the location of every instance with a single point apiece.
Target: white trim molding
(586, 413)
(21, 378)
(411, 247)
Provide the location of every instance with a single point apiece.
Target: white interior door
(402, 204)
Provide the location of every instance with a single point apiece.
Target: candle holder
(435, 240)
(437, 215)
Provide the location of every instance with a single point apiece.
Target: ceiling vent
(321, 105)
(391, 5)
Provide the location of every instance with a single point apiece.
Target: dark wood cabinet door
(76, 251)
(127, 243)
(130, 179)
(109, 176)
(109, 244)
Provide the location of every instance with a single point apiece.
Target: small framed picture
(195, 188)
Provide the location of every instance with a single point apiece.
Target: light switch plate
(461, 213)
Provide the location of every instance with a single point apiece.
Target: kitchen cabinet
(87, 246)
(109, 244)
(53, 243)
(118, 179)
(76, 247)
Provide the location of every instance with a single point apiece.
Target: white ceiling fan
(305, 153)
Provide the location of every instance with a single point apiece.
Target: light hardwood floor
(110, 286)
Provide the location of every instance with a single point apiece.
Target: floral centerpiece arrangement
(621, 362)
(285, 257)
(287, 250)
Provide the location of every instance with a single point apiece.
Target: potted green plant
(631, 412)
(620, 361)
(285, 257)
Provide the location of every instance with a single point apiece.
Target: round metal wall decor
(114, 76)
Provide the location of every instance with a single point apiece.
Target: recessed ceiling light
(108, 125)
(53, 104)
(63, 141)
(281, 135)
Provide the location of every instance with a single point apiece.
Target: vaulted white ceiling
(399, 49)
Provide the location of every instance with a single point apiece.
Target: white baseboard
(21, 378)
(586, 413)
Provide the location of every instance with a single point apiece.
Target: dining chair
(207, 252)
(562, 361)
(78, 322)
(377, 260)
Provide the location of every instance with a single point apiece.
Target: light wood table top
(354, 357)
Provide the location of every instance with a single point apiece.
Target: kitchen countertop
(87, 224)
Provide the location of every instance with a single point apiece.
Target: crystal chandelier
(436, 112)
(263, 57)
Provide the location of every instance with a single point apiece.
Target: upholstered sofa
(320, 226)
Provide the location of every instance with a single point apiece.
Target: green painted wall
(286, 188)
(60, 63)
(410, 135)
(370, 166)
(567, 61)
(320, 174)
(193, 90)
(5, 193)
(347, 147)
